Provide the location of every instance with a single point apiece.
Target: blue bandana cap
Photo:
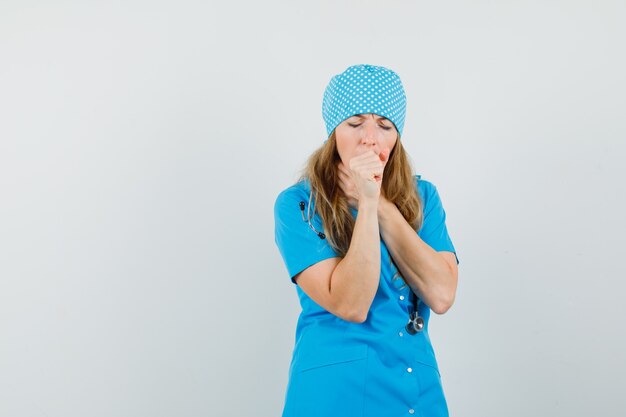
(364, 89)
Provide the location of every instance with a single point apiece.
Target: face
(362, 132)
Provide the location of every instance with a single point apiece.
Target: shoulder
(425, 187)
(292, 194)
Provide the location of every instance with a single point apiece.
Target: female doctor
(365, 242)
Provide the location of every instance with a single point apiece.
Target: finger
(370, 175)
(368, 155)
(363, 158)
(347, 188)
(366, 165)
(348, 172)
(343, 169)
(342, 177)
(375, 173)
(344, 180)
(372, 157)
(341, 186)
(375, 167)
(384, 155)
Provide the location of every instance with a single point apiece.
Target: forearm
(424, 270)
(354, 281)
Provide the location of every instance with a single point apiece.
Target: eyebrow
(360, 116)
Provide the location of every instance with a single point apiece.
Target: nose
(370, 135)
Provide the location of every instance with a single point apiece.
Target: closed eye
(384, 127)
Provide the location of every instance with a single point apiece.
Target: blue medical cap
(364, 89)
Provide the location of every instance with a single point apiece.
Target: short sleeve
(299, 245)
(434, 231)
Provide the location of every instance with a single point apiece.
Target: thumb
(384, 154)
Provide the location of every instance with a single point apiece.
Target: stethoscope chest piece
(416, 323)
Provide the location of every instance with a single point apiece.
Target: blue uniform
(370, 369)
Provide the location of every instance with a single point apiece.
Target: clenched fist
(364, 176)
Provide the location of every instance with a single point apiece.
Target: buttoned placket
(401, 297)
(409, 370)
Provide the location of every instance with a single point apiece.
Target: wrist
(368, 205)
(384, 207)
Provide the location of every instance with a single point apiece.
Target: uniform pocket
(432, 397)
(325, 356)
(331, 382)
(429, 364)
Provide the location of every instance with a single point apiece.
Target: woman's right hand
(367, 174)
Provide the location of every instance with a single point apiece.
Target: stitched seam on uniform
(367, 363)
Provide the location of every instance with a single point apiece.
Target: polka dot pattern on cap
(364, 89)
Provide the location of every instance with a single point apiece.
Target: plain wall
(143, 143)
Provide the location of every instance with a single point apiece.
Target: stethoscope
(416, 323)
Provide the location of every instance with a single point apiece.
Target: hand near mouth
(364, 177)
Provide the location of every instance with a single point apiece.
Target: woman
(347, 234)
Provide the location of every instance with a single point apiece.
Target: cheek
(391, 142)
(344, 157)
(346, 148)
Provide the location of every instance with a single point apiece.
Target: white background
(143, 143)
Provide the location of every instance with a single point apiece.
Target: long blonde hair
(331, 203)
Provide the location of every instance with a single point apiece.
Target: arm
(355, 280)
(346, 286)
(432, 275)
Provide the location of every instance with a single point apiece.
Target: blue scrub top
(373, 368)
